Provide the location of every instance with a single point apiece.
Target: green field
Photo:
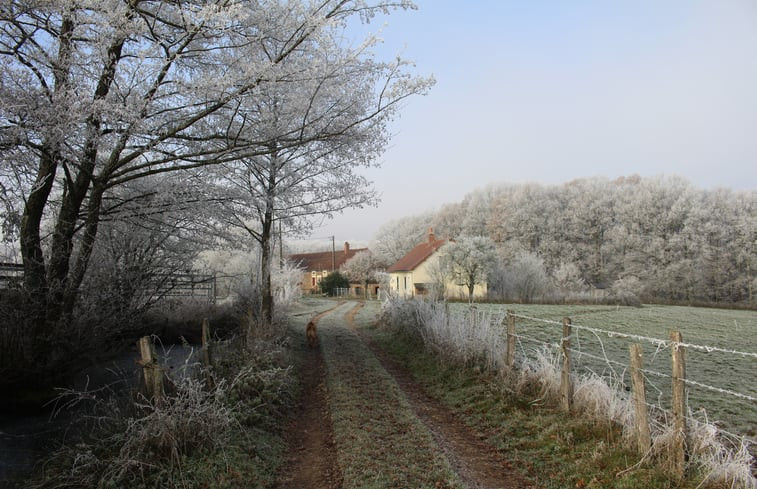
(714, 328)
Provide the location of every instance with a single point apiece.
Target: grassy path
(310, 436)
(476, 462)
(364, 423)
(381, 442)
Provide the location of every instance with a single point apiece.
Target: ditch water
(27, 436)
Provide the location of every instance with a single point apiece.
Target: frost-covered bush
(526, 278)
(469, 337)
(286, 283)
(399, 314)
(567, 279)
(627, 291)
(537, 374)
(128, 445)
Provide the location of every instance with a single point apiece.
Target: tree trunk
(81, 264)
(266, 236)
(35, 272)
(63, 241)
(265, 270)
(35, 275)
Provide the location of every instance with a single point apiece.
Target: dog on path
(311, 333)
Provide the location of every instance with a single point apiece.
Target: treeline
(656, 238)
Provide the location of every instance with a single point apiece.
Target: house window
(405, 283)
(313, 280)
(398, 283)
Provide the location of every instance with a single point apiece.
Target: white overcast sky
(550, 91)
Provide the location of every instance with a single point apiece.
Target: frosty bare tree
(527, 277)
(327, 123)
(567, 279)
(468, 260)
(94, 94)
(396, 238)
(361, 268)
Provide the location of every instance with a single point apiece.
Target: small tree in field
(361, 268)
(567, 279)
(468, 261)
(527, 277)
(333, 281)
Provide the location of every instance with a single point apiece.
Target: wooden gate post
(150, 368)
(510, 354)
(643, 438)
(679, 404)
(566, 384)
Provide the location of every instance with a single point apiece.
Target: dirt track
(311, 462)
(313, 458)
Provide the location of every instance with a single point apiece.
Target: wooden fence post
(510, 354)
(207, 358)
(150, 368)
(679, 404)
(566, 384)
(643, 438)
(206, 355)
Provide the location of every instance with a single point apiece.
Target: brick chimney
(431, 237)
(346, 248)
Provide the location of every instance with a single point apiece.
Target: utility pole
(333, 254)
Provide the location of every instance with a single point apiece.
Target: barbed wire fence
(588, 339)
(717, 419)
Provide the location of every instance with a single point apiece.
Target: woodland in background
(654, 239)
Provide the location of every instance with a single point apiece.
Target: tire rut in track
(311, 461)
(477, 463)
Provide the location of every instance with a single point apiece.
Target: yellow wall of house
(403, 283)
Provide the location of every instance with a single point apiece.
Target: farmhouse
(316, 266)
(417, 273)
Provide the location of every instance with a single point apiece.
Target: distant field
(718, 328)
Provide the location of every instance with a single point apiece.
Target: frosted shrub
(603, 399)
(731, 467)
(285, 282)
(627, 291)
(399, 314)
(469, 337)
(128, 445)
(539, 374)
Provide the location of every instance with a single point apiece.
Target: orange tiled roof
(313, 262)
(417, 255)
